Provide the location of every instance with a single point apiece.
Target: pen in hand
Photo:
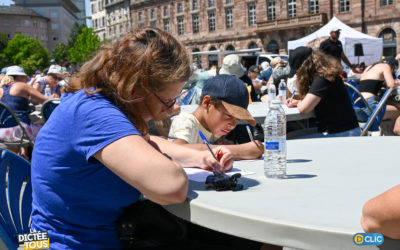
(291, 98)
(212, 153)
(250, 134)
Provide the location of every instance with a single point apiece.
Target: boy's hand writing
(224, 156)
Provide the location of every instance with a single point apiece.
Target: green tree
(3, 40)
(27, 52)
(74, 33)
(60, 53)
(84, 47)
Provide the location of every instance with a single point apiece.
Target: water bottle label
(273, 145)
(282, 92)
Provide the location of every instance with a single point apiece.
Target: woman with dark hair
(321, 89)
(375, 77)
(94, 157)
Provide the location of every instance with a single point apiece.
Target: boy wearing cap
(224, 100)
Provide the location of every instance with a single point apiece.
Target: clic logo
(366, 239)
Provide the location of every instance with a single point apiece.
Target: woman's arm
(309, 102)
(244, 151)
(382, 214)
(189, 157)
(387, 74)
(135, 161)
(24, 90)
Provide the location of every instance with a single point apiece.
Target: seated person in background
(224, 100)
(322, 90)
(53, 77)
(375, 77)
(266, 72)
(16, 94)
(254, 73)
(382, 214)
(231, 66)
(279, 71)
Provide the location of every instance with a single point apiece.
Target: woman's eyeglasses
(56, 77)
(169, 103)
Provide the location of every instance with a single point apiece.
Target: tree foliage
(60, 53)
(3, 40)
(26, 52)
(74, 33)
(84, 47)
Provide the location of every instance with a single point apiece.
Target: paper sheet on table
(200, 175)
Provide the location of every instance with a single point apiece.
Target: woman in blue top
(93, 157)
(16, 94)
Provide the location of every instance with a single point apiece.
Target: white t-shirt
(185, 126)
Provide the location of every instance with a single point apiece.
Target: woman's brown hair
(147, 58)
(317, 64)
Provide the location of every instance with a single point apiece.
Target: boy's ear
(206, 101)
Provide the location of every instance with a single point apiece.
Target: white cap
(55, 69)
(15, 71)
(265, 65)
(231, 66)
(335, 28)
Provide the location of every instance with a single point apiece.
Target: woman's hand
(292, 104)
(224, 156)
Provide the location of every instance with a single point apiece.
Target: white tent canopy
(372, 46)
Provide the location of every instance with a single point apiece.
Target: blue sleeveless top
(18, 104)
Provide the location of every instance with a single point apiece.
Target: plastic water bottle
(275, 141)
(282, 91)
(271, 93)
(47, 91)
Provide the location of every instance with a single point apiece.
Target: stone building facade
(98, 18)
(204, 25)
(17, 19)
(118, 18)
(62, 16)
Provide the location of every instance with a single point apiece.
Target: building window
(180, 26)
(6, 22)
(179, 8)
(165, 10)
(27, 23)
(273, 47)
(210, 3)
(55, 38)
(152, 14)
(140, 17)
(389, 42)
(230, 47)
(194, 5)
(253, 45)
(211, 21)
(314, 7)
(166, 25)
(252, 14)
(386, 2)
(54, 14)
(271, 10)
(291, 8)
(229, 18)
(344, 5)
(228, 1)
(195, 20)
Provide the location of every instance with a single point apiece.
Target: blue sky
(87, 4)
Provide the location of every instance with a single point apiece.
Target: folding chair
(359, 102)
(378, 113)
(8, 119)
(48, 107)
(15, 197)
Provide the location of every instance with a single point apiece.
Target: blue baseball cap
(233, 94)
(4, 70)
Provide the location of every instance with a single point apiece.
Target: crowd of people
(105, 112)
